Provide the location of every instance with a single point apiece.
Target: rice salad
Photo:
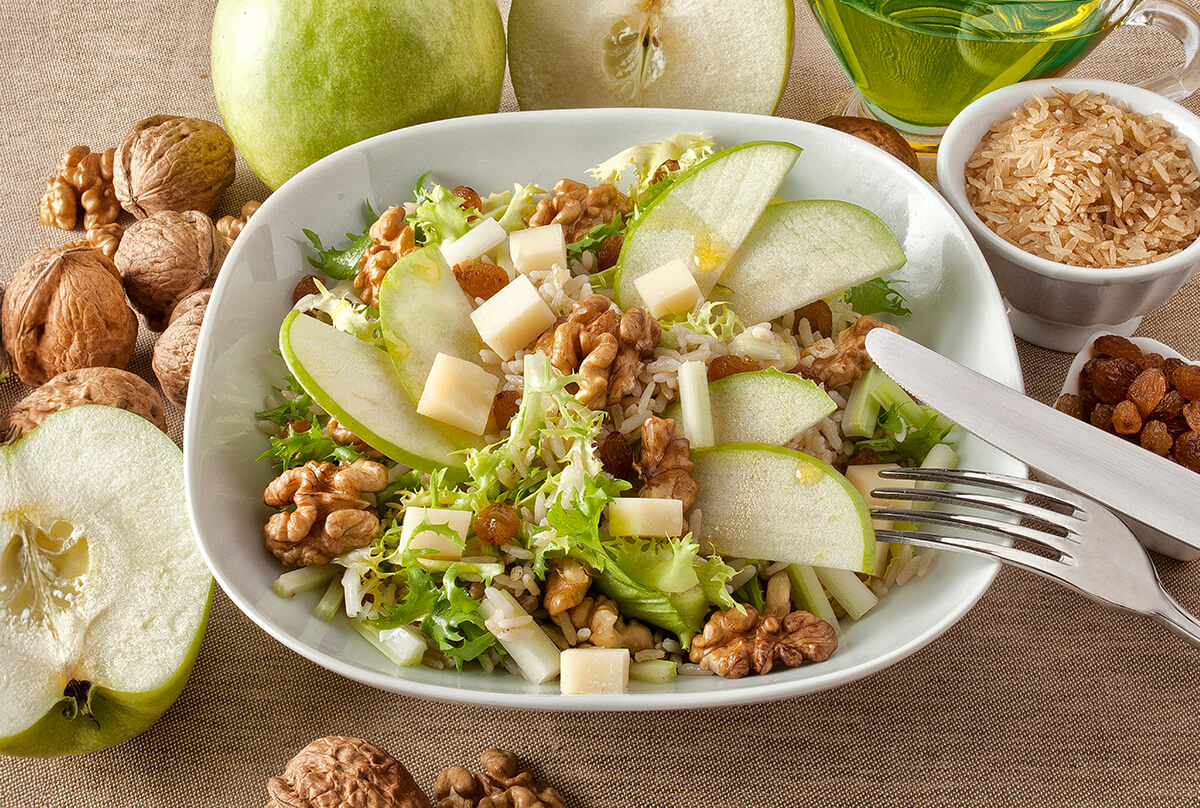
(555, 506)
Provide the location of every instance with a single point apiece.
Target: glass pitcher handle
(1183, 23)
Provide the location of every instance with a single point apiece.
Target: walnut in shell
(166, 257)
(176, 347)
(877, 133)
(341, 772)
(111, 387)
(65, 309)
(168, 162)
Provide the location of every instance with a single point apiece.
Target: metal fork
(1098, 556)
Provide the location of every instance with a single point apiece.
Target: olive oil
(918, 62)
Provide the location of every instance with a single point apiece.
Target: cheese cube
(866, 478)
(414, 517)
(670, 289)
(538, 248)
(593, 670)
(483, 237)
(512, 318)
(638, 516)
(458, 393)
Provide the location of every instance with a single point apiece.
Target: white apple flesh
(700, 54)
(103, 593)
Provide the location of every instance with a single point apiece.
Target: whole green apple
(298, 79)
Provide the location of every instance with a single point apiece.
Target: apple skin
(298, 79)
(116, 717)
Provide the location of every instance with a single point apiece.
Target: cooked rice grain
(1082, 181)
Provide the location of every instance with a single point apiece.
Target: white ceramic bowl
(1055, 305)
(956, 309)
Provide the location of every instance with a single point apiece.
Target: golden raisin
(1071, 404)
(469, 198)
(1112, 345)
(1187, 381)
(1150, 360)
(819, 316)
(1156, 438)
(1187, 450)
(1171, 365)
(480, 280)
(1169, 407)
(299, 425)
(667, 167)
(1111, 379)
(498, 523)
(1102, 416)
(727, 365)
(307, 286)
(1147, 389)
(609, 252)
(1126, 419)
(616, 455)
(1191, 414)
(504, 407)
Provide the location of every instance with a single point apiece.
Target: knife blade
(1148, 491)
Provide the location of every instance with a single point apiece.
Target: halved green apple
(760, 501)
(103, 594)
(803, 251)
(356, 383)
(703, 218)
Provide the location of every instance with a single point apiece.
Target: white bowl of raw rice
(1084, 197)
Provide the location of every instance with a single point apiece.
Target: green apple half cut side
(103, 594)
(700, 54)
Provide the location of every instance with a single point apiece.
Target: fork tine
(1002, 504)
(1067, 499)
(972, 522)
(977, 547)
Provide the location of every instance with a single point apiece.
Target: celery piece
(529, 646)
(654, 671)
(695, 404)
(888, 394)
(403, 646)
(854, 596)
(808, 594)
(305, 579)
(330, 602)
(941, 456)
(862, 410)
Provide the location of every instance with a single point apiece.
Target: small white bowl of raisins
(1139, 389)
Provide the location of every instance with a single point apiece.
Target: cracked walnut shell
(344, 772)
(165, 257)
(65, 309)
(111, 387)
(176, 347)
(168, 162)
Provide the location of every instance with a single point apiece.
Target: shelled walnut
(230, 227)
(111, 387)
(735, 644)
(579, 208)
(105, 237)
(835, 364)
(167, 162)
(84, 179)
(566, 585)
(176, 346)
(391, 239)
(330, 518)
(344, 772)
(502, 783)
(666, 464)
(65, 309)
(167, 256)
(607, 629)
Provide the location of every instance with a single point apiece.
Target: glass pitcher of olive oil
(916, 63)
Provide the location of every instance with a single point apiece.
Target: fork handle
(1171, 614)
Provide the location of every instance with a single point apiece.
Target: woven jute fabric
(1036, 698)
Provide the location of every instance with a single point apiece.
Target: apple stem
(78, 700)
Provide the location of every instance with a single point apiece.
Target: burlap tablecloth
(1037, 697)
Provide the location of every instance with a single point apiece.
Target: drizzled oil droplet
(808, 474)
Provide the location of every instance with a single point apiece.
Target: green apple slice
(356, 383)
(799, 252)
(704, 217)
(103, 593)
(424, 312)
(768, 502)
(762, 406)
(700, 54)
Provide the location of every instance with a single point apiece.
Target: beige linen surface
(1037, 697)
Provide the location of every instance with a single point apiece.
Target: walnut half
(502, 783)
(344, 772)
(736, 643)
